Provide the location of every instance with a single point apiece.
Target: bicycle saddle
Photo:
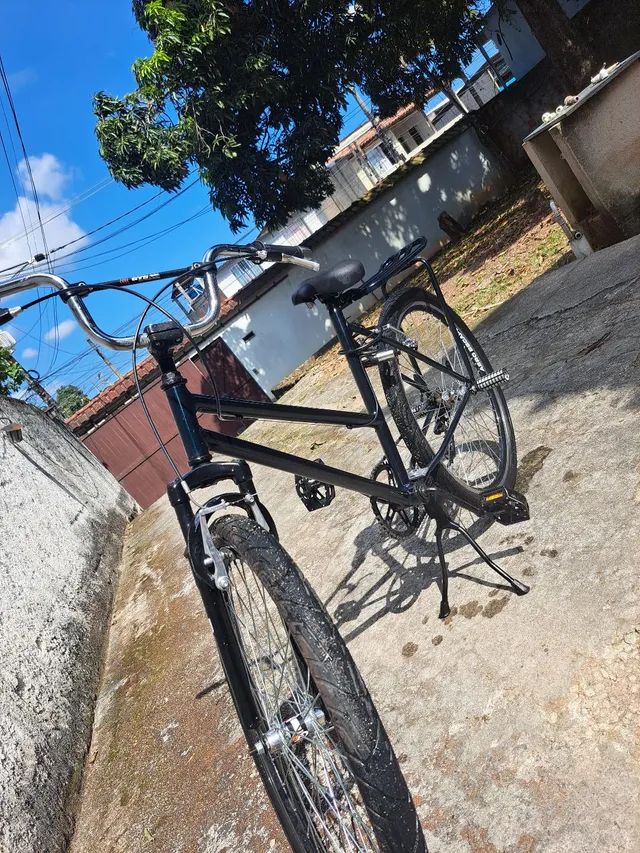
(341, 277)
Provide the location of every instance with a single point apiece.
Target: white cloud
(22, 78)
(29, 352)
(51, 179)
(61, 331)
(48, 173)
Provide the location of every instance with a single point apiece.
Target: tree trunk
(567, 48)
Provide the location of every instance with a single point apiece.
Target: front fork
(213, 594)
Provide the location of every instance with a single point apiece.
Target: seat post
(368, 395)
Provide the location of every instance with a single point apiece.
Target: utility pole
(109, 364)
(31, 377)
(384, 137)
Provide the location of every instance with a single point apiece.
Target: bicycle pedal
(314, 494)
(490, 380)
(505, 505)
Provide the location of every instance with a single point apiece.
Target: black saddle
(341, 277)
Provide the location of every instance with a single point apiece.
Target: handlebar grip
(275, 251)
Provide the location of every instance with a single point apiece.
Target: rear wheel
(320, 746)
(423, 399)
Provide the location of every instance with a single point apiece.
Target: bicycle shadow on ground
(412, 567)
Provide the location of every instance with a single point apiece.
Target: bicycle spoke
(311, 767)
(477, 447)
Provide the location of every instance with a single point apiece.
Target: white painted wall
(513, 37)
(286, 335)
(458, 178)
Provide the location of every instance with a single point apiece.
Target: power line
(124, 228)
(12, 107)
(149, 238)
(105, 225)
(83, 196)
(15, 189)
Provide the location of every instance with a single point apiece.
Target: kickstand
(444, 590)
(442, 524)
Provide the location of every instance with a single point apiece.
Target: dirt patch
(470, 609)
(409, 650)
(166, 734)
(530, 465)
(495, 606)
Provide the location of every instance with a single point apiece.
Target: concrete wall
(518, 110)
(62, 520)
(513, 37)
(590, 160)
(459, 177)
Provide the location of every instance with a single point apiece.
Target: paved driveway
(516, 720)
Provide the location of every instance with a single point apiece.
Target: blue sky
(57, 55)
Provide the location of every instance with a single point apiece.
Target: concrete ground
(517, 720)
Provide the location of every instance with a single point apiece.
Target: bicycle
(311, 726)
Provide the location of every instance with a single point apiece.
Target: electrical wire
(149, 238)
(129, 225)
(151, 303)
(12, 107)
(83, 196)
(107, 224)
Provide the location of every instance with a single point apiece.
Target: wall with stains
(62, 520)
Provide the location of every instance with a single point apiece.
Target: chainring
(399, 521)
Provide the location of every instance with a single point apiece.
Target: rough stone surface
(62, 522)
(516, 719)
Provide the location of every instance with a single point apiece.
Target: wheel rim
(295, 729)
(477, 455)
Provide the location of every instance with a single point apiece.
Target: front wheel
(320, 747)
(423, 399)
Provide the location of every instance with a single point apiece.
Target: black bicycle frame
(200, 442)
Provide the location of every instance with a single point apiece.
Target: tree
(11, 376)
(567, 46)
(70, 398)
(251, 92)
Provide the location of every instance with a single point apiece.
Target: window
(416, 135)
(245, 271)
(194, 290)
(249, 337)
(378, 159)
(405, 144)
